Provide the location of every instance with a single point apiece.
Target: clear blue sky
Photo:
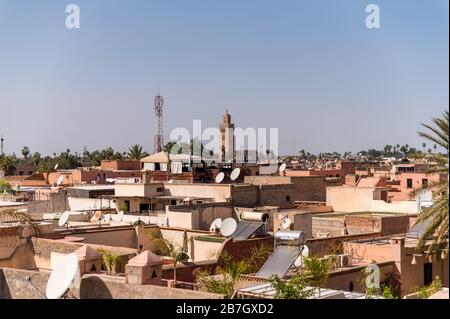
(310, 68)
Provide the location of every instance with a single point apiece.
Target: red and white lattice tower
(159, 135)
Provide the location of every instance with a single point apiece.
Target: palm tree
(424, 145)
(135, 152)
(438, 213)
(25, 151)
(7, 164)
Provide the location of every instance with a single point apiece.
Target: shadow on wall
(4, 289)
(94, 288)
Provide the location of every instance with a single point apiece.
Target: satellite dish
(60, 180)
(215, 225)
(63, 219)
(283, 167)
(62, 277)
(286, 223)
(235, 174)
(305, 253)
(171, 181)
(220, 177)
(96, 218)
(56, 167)
(228, 227)
(120, 216)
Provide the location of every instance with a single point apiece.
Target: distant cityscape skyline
(311, 69)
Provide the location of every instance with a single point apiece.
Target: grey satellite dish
(63, 219)
(300, 260)
(60, 180)
(63, 277)
(220, 177)
(228, 227)
(215, 225)
(283, 167)
(286, 223)
(235, 174)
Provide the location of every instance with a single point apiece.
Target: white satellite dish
(235, 174)
(220, 177)
(63, 276)
(63, 219)
(120, 216)
(171, 181)
(286, 223)
(300, 260)
(56, 167)
(215, 225)
(60, 180)
(228, 227)
(283, 167)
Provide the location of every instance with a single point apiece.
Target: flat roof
(93, 187)
(11, 204)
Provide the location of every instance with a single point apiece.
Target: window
(127, 206)
(144, 207)
(351, 287)
(21, 173)
(288, 198)
(159, 190)
(427, 273)
(30, 172)
(425, 182)
(409, 183)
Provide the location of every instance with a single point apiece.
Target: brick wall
(282, 195)
(244, 195)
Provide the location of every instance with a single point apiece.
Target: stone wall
(56, 204)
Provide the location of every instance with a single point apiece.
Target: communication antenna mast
(1, 146)
(159, 134)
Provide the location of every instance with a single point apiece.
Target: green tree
(135, 152)
(317, 271)
(176, 252)
(8, 165)
(36, 159)
(294, 288)
(5, 187)
(25, 151)
(229, 270)
(438, 213)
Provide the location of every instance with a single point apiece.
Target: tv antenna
(228, 227)
(64, 219)
(215, 225)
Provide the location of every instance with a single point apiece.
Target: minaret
(159, 135)
(227, 138)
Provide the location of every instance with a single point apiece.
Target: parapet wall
(13, 285)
